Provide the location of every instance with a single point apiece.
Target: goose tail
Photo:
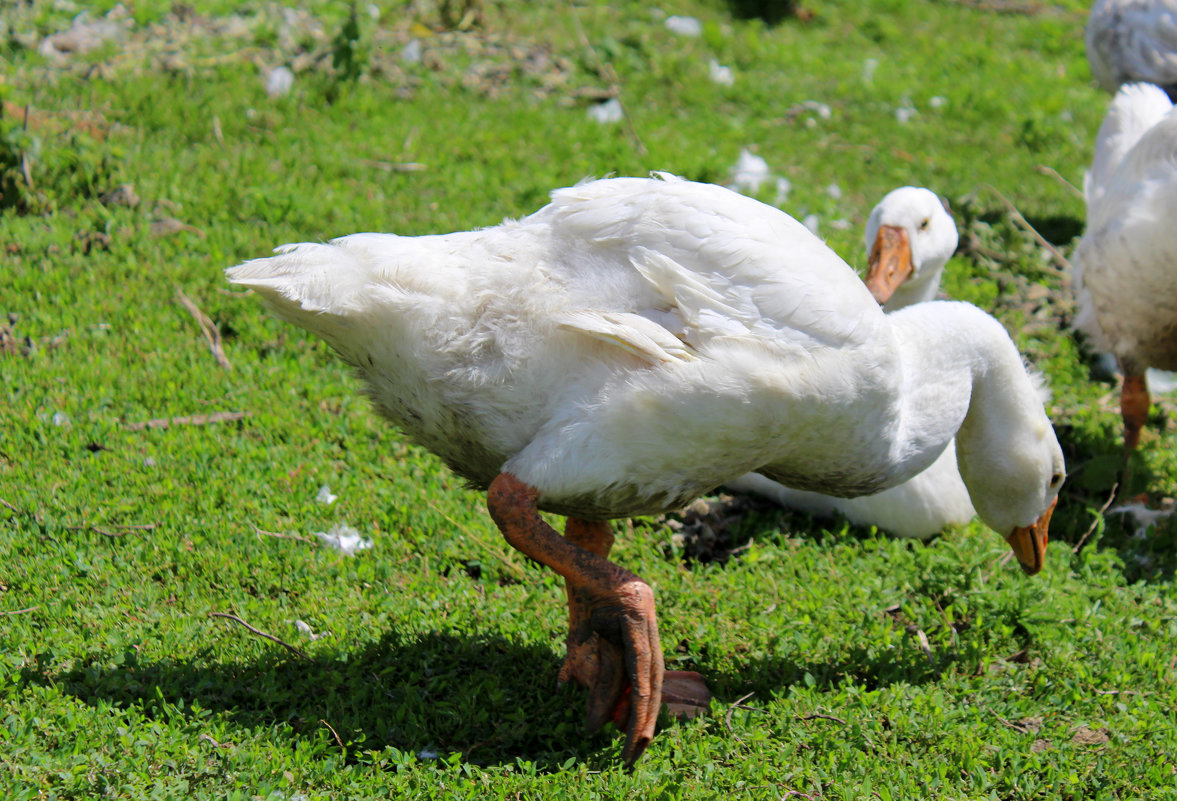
(306, 279)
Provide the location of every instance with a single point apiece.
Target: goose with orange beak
(910, 236)
(638, 342)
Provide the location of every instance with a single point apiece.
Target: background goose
(909, 238)
(1125, 266)
(1133, 40)
(638, 342)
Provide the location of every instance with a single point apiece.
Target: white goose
(1133, 40)
(909, 238)
(1125, 266)
(638, 342)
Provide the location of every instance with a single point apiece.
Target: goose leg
(620, 644)
(1134, 403)
(684, 692)
(596, 537)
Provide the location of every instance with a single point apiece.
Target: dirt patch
(395, 48)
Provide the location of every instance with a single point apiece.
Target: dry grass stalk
(187, 420)
(207, 327)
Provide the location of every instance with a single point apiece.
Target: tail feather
(306, 277)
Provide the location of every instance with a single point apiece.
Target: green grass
(434, 674)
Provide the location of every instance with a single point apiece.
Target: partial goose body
(1125, 266)
(919, 508)
(595, 350)
(638, 342)
(1135, 109)
(909, 238)
(1132, 41)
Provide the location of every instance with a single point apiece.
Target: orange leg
(596, 537)
(1134, 403)
(617, 621)
(684, 692)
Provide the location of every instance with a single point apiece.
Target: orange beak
(1029, 542)
(889, 264)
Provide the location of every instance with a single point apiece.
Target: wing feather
(632, 333)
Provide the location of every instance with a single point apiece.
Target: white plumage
(635, 344)
(1133, 40)
(936, 498)
(1125, 266)
(638, 342)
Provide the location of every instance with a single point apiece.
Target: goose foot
(594, 536)
(613, 646)
(684, 693)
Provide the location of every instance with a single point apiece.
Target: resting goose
(638, 342)
(1125, 265)
(1133, 40)
(909, 238)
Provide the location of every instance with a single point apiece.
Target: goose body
(638, 342)
(1125, 265)
(909, 238)
(919, 508)
(1133, 40)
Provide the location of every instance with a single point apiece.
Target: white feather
(1133, 40)
(1125, 265)
(465, 342)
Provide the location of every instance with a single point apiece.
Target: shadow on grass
(1057, 229)
(492, 700)
(768, 676)
(770, 12)
(489, 698)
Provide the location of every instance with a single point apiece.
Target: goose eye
(924, 223)
(1055, 480)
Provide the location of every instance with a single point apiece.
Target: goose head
(910, 236)
(1024, 524)
(1014, 490)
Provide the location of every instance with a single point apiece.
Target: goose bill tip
(1029, 542)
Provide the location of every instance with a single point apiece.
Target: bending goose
(1133, 40)
(1125, 266)
(909, 238)
(638, 342)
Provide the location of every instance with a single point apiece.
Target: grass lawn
(172, 627)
